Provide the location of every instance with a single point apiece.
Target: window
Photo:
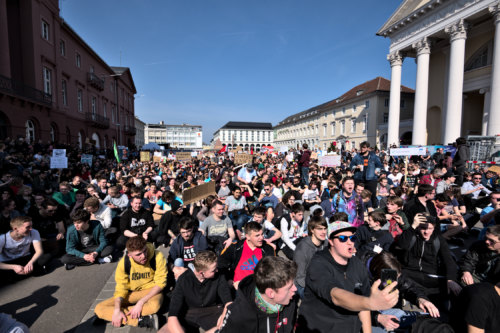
(113, 114)
(64, 88)
(78, 60)
(343, 110)
(353, 125)
(342, 127)
(47, 84)
(30, 131)
(94, 107)
(91, 70)
(80, 100)
(333, 128)
(367, 104)
(62, 48)
(104, 105)
(386, 118)
(402, 103)
(365, 123)
(52, 133)
(45, 30)
(324, 129)
(386, 102)
(354, 108)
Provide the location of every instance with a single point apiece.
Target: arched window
(30, 131)
(54, 133)
(95, 137)
(481, 58)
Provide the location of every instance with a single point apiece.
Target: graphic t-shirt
(247, 263)
(188, 251)
(87, 238)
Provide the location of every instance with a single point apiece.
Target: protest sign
(86, 158)
(329, 160)
(145, 156)
(58, 162)
(408, 151)
(157, 159)
(198, 192)
(183, 156)
(242, 159)
(314, 155)
(58, 152)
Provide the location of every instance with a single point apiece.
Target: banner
(58, 152)
(145, 156)
(198, 192)
(58, 162)
(243, 159)
(408, 151)
(329, 160)
(86, 158)
(183, 156)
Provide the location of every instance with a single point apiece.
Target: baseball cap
(340, 226)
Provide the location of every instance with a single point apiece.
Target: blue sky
(206, 62)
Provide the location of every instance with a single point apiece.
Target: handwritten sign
(242, 159)
(58, 162)
(408, 151)
(86, 158)
(329, 160)
(183, 156)
(145, 156)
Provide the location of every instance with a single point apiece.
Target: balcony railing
(129, 130)
(95, 81)
(20, 89)
(96, 120)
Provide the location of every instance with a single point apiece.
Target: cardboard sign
(198, 192)
(184, 156)
(242, 159)
(408, 151)
(314, 155)
(329, 160)
(495, 169)
(86, 158)
(157, 153)
(58, 162)
(58, 152)
(145, 157)
(157, 159)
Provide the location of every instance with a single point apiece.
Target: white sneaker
(105, 260)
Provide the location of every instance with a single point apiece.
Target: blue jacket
(373, 163)
(177, 248)
(73, 243)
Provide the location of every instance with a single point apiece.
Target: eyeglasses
(491, 241)
(477, 177)
(343, 238)
(267, 189)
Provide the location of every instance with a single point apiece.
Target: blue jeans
(406, 319)
(179, 262)
(239, 220)
(304, 171)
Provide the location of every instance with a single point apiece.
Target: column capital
(495, 11)
(457, 30)
(422, 46)
(395, 58)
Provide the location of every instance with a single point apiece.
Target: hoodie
(243, 315)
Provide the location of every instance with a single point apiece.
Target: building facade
(54, 87)
(360, 114)
(182, 136)
(248, 135)
(456, 45)
(139, 132)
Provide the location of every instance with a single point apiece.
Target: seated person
(116, 201)
(394, 318)
(86, 242)
(16, 257)
(140, 278)
(48, 220)
(163, 205)
(427, 259)
(65, 196)
(371, 239)
(481, 263)
(292, 229)
(136, 191)
(185, 246)
(396, 218)
(199, 297)
(240, 259)
(237, 210)
(264, 299)
(168, 228)
(135, 221)
(262, 216)
(101, 213)
(218, 228)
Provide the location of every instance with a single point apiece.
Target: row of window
(309, 130)
(253, 135)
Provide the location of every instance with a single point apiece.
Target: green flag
(116, 152)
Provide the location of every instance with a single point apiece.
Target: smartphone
(387, 276)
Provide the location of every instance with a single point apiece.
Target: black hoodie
(243, 315)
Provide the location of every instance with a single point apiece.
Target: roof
(406, 9)
(377, 84)
(120, 71)
(247, 124)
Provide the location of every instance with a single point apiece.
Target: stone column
(494, 110)
(486, 109)
(453, 115)
(4, 41)
(396, 60)
(421, 92)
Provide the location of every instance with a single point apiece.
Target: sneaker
(105, 260)
(150, 321)
(69, 267)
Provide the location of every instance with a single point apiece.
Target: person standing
(364, 165)
(461, 157)
(304, 161)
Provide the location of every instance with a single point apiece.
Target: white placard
(86, 158)
(329, 160)
(408, 151)
(157, 153)
(58, 162)
(58, 152)
(289, 157)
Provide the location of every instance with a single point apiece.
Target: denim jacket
(373, 163)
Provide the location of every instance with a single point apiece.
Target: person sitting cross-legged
(140, 276)
(86, 242)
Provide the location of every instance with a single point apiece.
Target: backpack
(126, 263)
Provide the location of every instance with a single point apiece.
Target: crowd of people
(375, 244)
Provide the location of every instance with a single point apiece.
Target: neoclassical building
(360, 114)
(456, 45)
(248, 135)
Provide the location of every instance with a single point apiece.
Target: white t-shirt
(11, 249)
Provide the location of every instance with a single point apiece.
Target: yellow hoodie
(141, 277)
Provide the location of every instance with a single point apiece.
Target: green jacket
(68, 199)
(73, 243)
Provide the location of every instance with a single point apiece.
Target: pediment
(404, 10)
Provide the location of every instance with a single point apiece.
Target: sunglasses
(343, 238)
